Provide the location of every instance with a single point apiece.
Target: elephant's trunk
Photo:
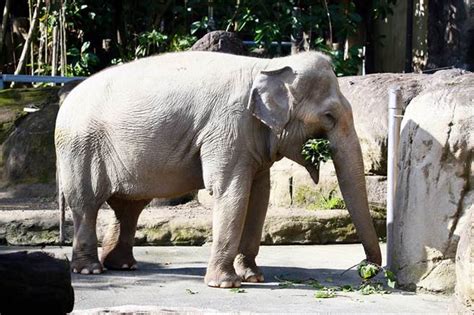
(349, 165)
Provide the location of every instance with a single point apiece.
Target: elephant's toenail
(96, 271)
(75, 270)
(125, 266)
(134, 267)
(226, 284)
(252, 279)
(85, 271)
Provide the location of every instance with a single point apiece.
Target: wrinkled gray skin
(166, 125)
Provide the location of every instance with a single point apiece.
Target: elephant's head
(300, 99)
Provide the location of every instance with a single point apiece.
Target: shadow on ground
(152, 274)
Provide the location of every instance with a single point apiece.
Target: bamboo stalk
(329, 22)
(32, 61)
(54, 54)
(63, 37)
(40, 48)
(6, 12)
(26, 47)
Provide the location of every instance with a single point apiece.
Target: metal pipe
(23, 78)
(394, 121)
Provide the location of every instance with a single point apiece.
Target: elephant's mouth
(313, 172)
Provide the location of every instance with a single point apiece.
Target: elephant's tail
(62, 206)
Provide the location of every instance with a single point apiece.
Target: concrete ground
(170, 280)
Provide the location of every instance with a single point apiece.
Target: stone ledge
(188, 224)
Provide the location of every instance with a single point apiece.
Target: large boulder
(434, 189)
(220, 41)
(465, 267)
(27, 141)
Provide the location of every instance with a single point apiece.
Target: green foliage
(367, 270)
(135, 29)
(82, 62)
(149, 43)
(332, 201)
(181, 42)
(189, 291)
(325, 294)
(368, 288)
(316, 151)
(237, 290)
(330, 291)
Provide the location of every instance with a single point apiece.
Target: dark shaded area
(450, 34)
(35, 283)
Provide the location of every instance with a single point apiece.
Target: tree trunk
(3, 31)
(26, 47)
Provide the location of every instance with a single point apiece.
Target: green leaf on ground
(391, 278)
(324, 294)
(189, 291)
(367, 269)
(237, 290)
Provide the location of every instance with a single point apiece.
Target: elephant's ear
(270, 98)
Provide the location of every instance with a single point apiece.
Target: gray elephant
(166, 125)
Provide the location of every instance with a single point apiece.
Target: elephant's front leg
(231, 198)
(244, 263)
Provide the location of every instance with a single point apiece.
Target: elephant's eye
(328, 120)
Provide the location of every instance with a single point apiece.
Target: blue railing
(35, 79)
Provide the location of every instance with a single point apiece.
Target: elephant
(166, 125)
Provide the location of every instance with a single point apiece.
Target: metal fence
(35, 79)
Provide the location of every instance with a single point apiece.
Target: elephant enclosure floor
(170, 279)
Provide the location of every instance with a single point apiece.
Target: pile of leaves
(366, 270)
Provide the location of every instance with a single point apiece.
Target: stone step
(188, 224)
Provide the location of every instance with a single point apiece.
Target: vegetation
(80, 37)
(316, 151)
(325, 289)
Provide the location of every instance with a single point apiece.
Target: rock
(188, 224)
(464, 293)
(434, 190)
(291, 185)
(67, 88)
(35, 282)
(368, 96)
(220, 41)
(28, 155)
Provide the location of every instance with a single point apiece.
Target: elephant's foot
(119, 257)
(86, 267)
(247, 269)
(219, 278)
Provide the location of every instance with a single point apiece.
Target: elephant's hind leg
(117, 245)
(244, 263)
(84, 253)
